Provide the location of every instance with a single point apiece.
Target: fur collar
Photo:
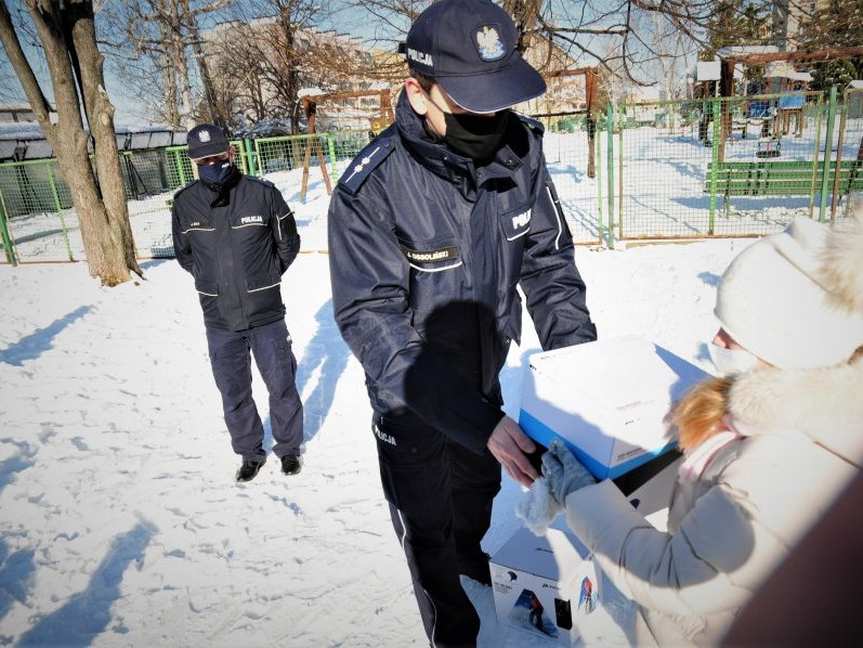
(842, 260)
(824, 404)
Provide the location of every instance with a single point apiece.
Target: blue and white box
(607, 400)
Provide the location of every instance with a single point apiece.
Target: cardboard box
(544, 586)
(549, 586)
(606, 400)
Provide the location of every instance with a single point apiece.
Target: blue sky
(129, 110)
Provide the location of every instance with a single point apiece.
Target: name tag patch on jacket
(198, 225)
(442, 258)
(251, 220)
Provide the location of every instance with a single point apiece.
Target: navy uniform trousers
(232, 369)
(440, 496)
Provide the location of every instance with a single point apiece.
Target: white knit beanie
(776, 298)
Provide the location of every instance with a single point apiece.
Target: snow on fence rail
(739, 166)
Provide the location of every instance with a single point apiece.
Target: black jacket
(236, 252)
(426, 252)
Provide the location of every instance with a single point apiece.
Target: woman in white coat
(767, 447)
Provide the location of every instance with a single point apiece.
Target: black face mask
(476, 136)
(217, 173)
(221, 178)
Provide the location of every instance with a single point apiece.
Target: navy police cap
(206, 140)
(470, 48)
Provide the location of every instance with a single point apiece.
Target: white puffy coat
(742, 501)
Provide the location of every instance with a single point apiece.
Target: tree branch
(24, 71)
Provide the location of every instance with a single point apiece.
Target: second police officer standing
(236, 236)
(431, 230)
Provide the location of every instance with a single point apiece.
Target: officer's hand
(508, 444)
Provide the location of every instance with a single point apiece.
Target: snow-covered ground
(663, 187)
(120, 522)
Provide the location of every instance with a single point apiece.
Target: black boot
(291, 464)
(249, 470)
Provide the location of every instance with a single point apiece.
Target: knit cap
(779, 298)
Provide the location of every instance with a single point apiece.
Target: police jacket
(238, 251)
(426, 253)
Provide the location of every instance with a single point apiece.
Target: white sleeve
(683, 573)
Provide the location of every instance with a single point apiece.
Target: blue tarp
(791, 102)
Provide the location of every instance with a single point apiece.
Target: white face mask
(732, 361)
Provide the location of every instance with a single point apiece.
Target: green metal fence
(714, 168)
(277, 154)
(670, 170)
(37, 222)
(849, 158)
(33, 202)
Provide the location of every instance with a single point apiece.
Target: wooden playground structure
(784, 113)
(313, 144)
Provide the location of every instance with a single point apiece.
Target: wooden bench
(783, 178)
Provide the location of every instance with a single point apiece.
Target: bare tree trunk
(293, 98)
(22, 68)
(523, 12)
(100, 114)
(68, 138)
(181, 64)
(260, 104)
(213, 113)
(104, 252)
(169, 80)
(187, 117)
(292, 76)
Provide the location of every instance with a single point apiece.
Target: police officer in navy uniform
(431, 229)
(236, 236)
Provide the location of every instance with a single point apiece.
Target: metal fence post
(610, 158)
(56, 195)
(8, 245)
(259, 161)
(250, 156)
(716, 110)
(817, 149)
(621, 126)
(181, 171)
(837, 170)
(598, 169)
(828, 148)
(239, 147)
(331, 149)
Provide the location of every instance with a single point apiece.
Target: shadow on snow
(327, 351)
(41, 340)
(88, 613)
